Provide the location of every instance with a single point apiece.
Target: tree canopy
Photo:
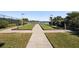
(72, 19)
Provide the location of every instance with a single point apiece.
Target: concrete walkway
(9, 30)
(38, 39)
(56, 31)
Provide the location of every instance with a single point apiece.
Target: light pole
(22, 17)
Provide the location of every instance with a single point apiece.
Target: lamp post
(22, 17)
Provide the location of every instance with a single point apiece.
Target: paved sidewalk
(38, 39)
(9, 30)
(56, 31)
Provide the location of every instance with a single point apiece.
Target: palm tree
(57, 20)
(51, 19)
(25, 20)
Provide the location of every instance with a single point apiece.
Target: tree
(58, 21)
(51, 21)
(25, 20)
(72, 20)
(18, 22)
(3, 23)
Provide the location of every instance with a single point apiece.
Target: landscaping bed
(14, 40)
(63, 40)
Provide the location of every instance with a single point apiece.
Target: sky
(35, 15)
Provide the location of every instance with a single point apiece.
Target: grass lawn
(63, 40)
(14, 40)
(46, 27)
(26, 27)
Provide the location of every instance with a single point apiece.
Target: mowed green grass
(26, 27)
(46, 27)
(63, 40)
(14, 40)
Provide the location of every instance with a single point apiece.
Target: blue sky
(35, 15)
